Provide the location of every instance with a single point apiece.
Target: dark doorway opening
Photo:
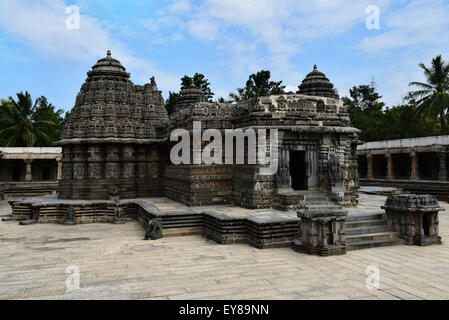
(428, 166)
(426, 224)
(330, 233)
(16, 174)
(46, 173)
(298, 170)
(363, 166)
(379, 166)
(401, 166)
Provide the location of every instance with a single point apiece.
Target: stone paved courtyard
(115, 263)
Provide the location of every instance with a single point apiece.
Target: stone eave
(310, 129)
(108, 140)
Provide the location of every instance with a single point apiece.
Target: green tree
(366, 112)
(258, 85)
(403, 121)
(170, 103)
(24, 124)
(432, 96)
(377, 123)
(199, 81)
(223, 100)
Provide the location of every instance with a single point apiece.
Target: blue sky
(224, 39)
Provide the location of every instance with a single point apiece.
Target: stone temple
(116, 153)
(118, 134)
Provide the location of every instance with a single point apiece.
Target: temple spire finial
(315, 67)
(109, 53)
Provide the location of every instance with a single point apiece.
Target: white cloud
(413, 33)
(254, 34)
(418, 25)
(41, 25)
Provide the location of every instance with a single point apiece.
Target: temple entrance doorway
(16, 174)
(298, 170)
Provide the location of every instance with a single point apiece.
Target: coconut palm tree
(24, 124)
(432, 97)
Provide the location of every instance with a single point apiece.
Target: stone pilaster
(112, 165)
(94, 166)
(414, 174)
(390, 172)
(59, 172)
(442, 172)
(370, 170)
(129, 163)
(128, 185)
(79, 164)
(28, 172)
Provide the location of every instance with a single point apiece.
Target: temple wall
(196, 185)
(89, 170)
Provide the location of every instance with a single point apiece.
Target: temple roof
(317, 84)
(108, 65)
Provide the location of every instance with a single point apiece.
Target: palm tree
(24, 124)
(432, 98)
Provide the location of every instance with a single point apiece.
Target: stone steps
(364, 223)
(370, 236)
(364, 217)
(372, 244)
(369, 231)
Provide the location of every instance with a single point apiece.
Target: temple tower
(317, 84)
(112, 136)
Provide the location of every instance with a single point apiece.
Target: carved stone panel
(112, 170)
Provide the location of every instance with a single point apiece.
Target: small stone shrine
(322, 231)
(415, 217)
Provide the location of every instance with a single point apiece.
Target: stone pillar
(414, 166)
(28, 172)
(59, 171)
(442, 172)
(390, 172)
(370, 169)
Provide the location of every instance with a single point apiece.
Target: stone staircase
(369, 231)
(362, 230)
(298, 200)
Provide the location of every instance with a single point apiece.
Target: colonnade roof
(405, 143)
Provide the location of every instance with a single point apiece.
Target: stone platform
(115, 263)
(225, 224)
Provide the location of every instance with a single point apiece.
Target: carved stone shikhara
(415, 217)
(111, 136)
